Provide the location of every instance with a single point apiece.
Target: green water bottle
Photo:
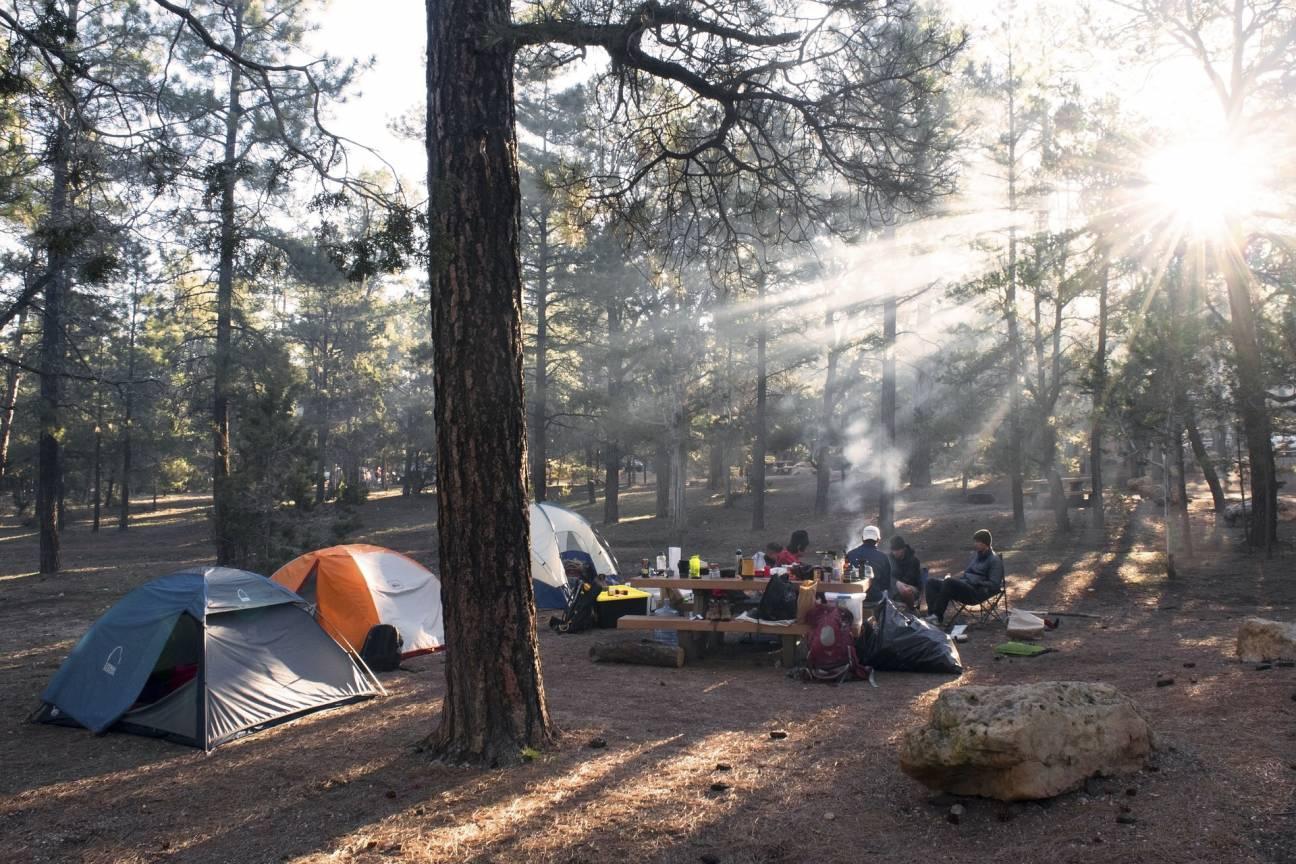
(695, 567)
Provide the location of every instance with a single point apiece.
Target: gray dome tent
(201, 657)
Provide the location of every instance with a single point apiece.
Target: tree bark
(890, 480)
(1097, 517)
(539, 398)
(1204, 461)
(223, 356)
(613, 455)
(1010, 314)
(98, 477)
(12, 380)
(50, 450)
(128, 421)
(761, 421)
(662, 471)
(1252, 407)
(494, 704)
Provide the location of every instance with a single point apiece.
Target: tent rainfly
(201, 657)
(356, 586)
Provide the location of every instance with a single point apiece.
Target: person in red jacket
(795, 548)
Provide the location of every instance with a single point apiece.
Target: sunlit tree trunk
(494, 704)
(761, 421)
(1252, 405)
(540, 393)
(13, 378)
(890, 480)
(612, 463)
(1096, 419)
(1010, 315)
(1204, 460)
(823, 468)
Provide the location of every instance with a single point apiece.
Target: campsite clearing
(348, 785)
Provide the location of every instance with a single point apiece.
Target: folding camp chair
(994, 608)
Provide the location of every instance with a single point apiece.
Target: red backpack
(832, 654)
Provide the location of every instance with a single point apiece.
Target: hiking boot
(725, 613)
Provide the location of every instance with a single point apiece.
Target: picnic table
(696, 633)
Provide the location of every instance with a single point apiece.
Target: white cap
(872, 533)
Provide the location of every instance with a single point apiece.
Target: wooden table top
(739, 585)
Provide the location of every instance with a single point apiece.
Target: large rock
(1026, 741)
(1260, 639)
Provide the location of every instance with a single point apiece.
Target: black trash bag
(779, 602)
(898, 642)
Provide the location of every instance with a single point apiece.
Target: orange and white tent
(354, 587)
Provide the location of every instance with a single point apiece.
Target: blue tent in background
(201, 657)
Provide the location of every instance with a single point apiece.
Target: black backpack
(382, 648)
(779, 602)
(580, 611)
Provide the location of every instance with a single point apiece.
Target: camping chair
(994, 608)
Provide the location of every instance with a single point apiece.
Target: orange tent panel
(344, 605)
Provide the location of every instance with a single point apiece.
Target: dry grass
(348, 786)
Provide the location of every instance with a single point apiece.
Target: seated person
(867, 554)
(981, 579)
(906, 573)
(796, 546)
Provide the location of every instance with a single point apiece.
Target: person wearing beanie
(867, 554)
(981, 579)
(906, 573)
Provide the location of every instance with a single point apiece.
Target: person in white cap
(868, 554)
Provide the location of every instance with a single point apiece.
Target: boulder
(1260, 639)
(1027, 741)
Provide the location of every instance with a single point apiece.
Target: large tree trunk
(494, 705)
(886, 504)
(1252, 406)
(823, 470)
(539, 397)
(223, 356)
(12, 379)
(758, 444)
(1099, 376)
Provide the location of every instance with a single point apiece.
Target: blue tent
(201, 657)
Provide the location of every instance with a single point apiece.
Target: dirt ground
(348, 785)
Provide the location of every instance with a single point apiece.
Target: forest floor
(349, 785)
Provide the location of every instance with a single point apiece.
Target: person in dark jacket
(982, 579)
(906, 573)
(868, 554)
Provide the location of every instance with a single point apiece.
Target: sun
(1203, 185)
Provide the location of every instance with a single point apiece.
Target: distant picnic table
(696, 633)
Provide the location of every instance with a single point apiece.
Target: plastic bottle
(695, 567)
(758, 562)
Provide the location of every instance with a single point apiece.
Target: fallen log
(639, 653)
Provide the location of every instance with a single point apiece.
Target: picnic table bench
(696, 633)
